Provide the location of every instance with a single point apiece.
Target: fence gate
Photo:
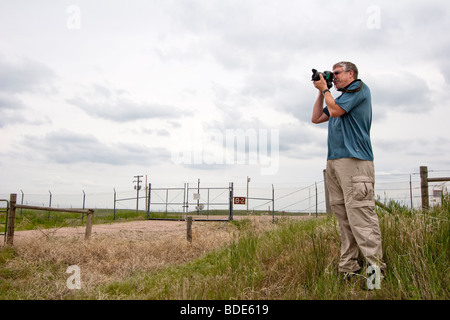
(4, 219)
(202, 204)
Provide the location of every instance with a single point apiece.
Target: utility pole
(137, 187)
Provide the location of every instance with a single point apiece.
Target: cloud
(247, 35)
(405, 154)
(10, 102)
(400, 92)
(215, 65)
(21, 74)
(116, 105)
(10, 109)
(18, 76)
(283, 93)
(303, 141)
(68, 147)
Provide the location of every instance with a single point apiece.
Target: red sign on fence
(239, 200)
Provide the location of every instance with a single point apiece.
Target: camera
(327, 75)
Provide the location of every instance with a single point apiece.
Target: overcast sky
(93, 93)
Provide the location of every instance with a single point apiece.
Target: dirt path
(137, 227)
(145, 228)
(116, 251)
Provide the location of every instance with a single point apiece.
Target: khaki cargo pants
(350, 185)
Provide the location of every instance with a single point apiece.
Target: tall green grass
(299, 260)
(293, 260)
(416, 247)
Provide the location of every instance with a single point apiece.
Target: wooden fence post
(189, 229)
(89, 220)
(424, 187)
(424, 180)
(11, 218)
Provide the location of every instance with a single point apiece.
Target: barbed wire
(389, 184)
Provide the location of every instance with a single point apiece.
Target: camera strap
(345, 90)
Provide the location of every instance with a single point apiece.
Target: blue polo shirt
(349, 134)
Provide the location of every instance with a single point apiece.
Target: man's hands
(333, 108)
(320, 84)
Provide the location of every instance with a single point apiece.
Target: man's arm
(318, 115)
(333, 108)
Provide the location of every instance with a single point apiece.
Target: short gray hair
(347, 67)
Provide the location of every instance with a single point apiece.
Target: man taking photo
(350, 175)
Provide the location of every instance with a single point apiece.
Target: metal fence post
(21, 202)
(273, 204)
(114, 212)
(49, 203)
(316, 199)
(84, 202)
(230, 215)
(149, 201)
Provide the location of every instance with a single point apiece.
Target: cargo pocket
(362, 188)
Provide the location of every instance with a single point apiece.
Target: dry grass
(237, 260)
(35, 268)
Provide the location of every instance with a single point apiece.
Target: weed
(245, 259)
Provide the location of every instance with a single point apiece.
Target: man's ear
(352, 74)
